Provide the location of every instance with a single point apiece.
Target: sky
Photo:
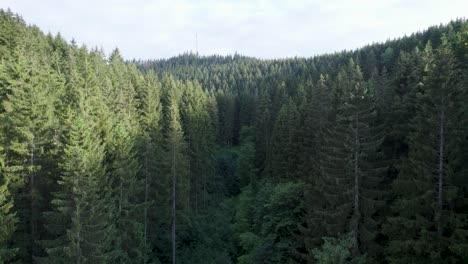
(153, 29)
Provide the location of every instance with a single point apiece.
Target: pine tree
(314, 132)
(9, 29)
(121, 127)
(408, 76)
(83, 208)
(245, 162)
(263, 124)
(198, 133)
(150, 156)
(315, 125)
(351, 173)
(283, 161)
(427, 222)
(30, 125)
(225, 103)
(175, 153)
(123, 93)
(8, 218)
(126, 190)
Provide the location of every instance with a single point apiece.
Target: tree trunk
(173, 205)
(204, 191)
(78, 235)
(146, 203)
(32, 221)
(440, 173)
(196, 185)
(121, 196)
(356, 213)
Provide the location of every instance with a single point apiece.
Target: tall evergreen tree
(314, 131)
(199, 135)
(30, 123)
(427, 223)
(176, 162)
(284, 148)
(126, 192)
(263, 126)
(83, 208)
(8, 218)
(150, 156)
(351, 174)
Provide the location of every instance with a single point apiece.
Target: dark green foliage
(427, 223)
(353, 157)
(284, 150)
(245, 162)
(267, 222)
(350, 174)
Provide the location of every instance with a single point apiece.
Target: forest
(360, 156)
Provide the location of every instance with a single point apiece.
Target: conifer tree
(427, 223)
(245, 161)
(198, 133)
(175, 153)
(351, 174)
(315, 130)
(263, 124)
(8, 217)
(225, 103)
(126, 190)
(408, 76)
(30, 124)
(150, 159)
(283, 161)
(316, 122)
(83, 208)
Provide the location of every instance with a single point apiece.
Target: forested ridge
(359, 156)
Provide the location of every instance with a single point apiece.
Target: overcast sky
(266, 29)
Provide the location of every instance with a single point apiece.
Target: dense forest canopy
(354, 157)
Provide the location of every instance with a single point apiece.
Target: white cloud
(267, 29)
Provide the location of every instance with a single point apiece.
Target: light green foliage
(336, 251)
(83, 209)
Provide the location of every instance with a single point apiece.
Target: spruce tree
(351, 174)
(83, 208)
(315, 130)
(283, 161)
(427, 224)
(127, 191)
(175, 158)
(263, 124)
(8, 218)
(30, 124)
(150, 159)
(199, 136)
